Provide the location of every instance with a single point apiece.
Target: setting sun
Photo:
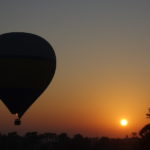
(123, 122)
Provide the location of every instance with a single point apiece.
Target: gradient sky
(103, 65)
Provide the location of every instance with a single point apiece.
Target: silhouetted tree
(134, 135)
(145, 135)
(148, 114)
(79, 142)
(63, 142)
(31, 140)
(145, 131)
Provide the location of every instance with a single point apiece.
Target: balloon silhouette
(27, 66)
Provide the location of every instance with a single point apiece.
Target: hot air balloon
(27, 66)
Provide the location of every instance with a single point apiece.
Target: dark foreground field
(52, 141)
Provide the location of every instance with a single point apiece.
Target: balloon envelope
(27, 66)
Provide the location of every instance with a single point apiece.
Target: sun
(124, 122)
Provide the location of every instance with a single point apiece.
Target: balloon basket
(17, 122)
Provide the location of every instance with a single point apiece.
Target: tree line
(53, 141)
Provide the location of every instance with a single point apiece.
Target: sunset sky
(103, 65)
